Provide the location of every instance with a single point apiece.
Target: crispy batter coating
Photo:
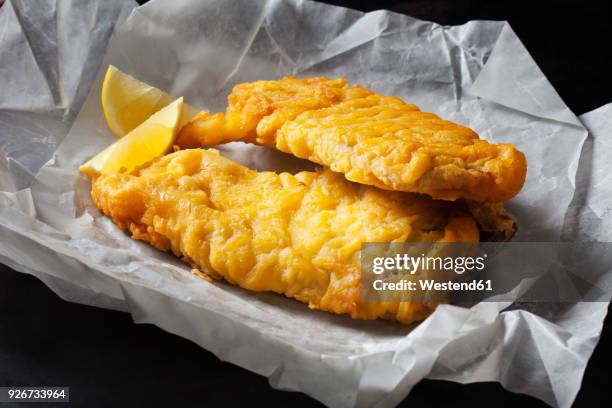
(494, 222)
(298, 235)
(370, 138)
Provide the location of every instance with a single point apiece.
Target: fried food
(495, 223)
(370, 138)
(298, 235)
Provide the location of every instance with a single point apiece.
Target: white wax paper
(478, 74)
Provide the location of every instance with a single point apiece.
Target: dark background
(109, 361)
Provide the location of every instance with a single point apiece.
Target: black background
(109, 361)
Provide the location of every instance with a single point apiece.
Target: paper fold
(529, 93)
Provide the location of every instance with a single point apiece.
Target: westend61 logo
(422, 271)
(435, 272)
(464, 273)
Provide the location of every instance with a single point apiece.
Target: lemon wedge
(127, 102)
(148, 141)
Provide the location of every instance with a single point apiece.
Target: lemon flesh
(127, 102)
(148, 141)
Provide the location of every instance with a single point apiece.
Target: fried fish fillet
(298, 235)
(370, 138)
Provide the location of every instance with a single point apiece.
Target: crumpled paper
(478, 74)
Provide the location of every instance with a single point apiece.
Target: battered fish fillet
(372, 139)
(298, 235)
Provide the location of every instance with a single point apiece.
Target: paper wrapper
(478, 74)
